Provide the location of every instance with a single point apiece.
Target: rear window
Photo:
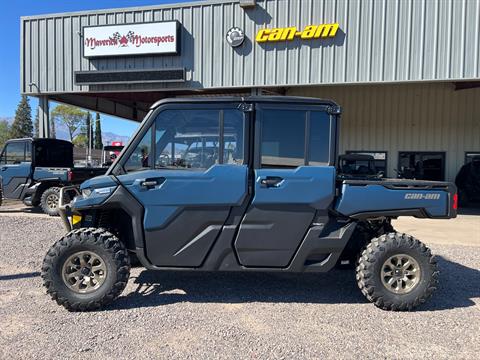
(284, 143)
(50, 153)
(283, 138)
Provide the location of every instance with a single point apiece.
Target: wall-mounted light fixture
(248, 3)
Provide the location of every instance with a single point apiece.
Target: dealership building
(406, 72)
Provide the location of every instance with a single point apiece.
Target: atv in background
(34, 171)
(468, 182)
(357, 166)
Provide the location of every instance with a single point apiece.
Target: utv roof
(354, 157)
(248, 99)
(40, 140)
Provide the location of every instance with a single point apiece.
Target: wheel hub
(52, 201)
(400, 274)
(84, 272)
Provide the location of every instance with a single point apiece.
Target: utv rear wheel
(49, 201)
(86, 269)
(397, 272)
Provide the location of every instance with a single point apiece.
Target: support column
(43, 117)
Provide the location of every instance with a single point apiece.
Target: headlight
(86, 192)
(100, 191)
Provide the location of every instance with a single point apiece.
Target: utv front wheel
(86, 269)
(397, 272)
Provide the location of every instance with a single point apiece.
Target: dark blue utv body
(245, 184)
(31, 167)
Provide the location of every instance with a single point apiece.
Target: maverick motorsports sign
(321, 31)
(131, 39)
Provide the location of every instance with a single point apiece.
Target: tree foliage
(36, 125)
(80, 140)
(53, 131)
(98, 144)
(22, 125)
(4, 132)
(70, 116)
(85, 134)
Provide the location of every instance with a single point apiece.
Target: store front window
(422, 165)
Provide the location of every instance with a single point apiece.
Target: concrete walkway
(463, 230)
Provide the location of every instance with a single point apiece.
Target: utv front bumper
(65, 210)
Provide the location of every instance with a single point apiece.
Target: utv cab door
(15, 168)
(188, 170)
(294, 182)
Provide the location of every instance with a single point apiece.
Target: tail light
(70, 175)
(455, 201)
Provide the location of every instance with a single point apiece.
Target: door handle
(4, 168)
(149, 183)
(271, 181)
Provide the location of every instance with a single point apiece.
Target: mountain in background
(9, 120)
(109, 137)
(62, 133)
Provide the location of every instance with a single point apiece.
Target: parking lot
(229, 315)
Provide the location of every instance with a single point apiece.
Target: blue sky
(10, 54)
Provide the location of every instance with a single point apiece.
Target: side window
(233, 135)
(3, 156)
(141, 159)
(187, 139)
(14, 153)
(319, 145)
(191, 139)
(28, 151)
(283, 138)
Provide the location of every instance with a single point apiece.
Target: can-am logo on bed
(131, 39)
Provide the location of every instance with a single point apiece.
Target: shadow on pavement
(19, 276)
(469, 210)
(21, 209)
(458, 285)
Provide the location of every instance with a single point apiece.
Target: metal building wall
(406, 117)
(380, 41)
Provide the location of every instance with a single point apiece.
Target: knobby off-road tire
(49, 201)
(410, 284)
(65, 269)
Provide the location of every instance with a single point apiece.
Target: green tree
(22, 125)
(4, 132)
(89, 130)
(80, 140)
(70, 116)
(98, 133)
(36, 125)
(53, 131)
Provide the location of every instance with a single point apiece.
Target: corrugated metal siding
(390, 40)
(406, 117)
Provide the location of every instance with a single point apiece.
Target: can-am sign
(131, 39)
